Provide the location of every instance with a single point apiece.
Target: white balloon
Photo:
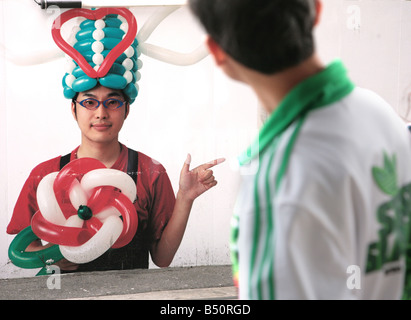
(69, 80)
(124, 27)
(98, 58)
(152, 23)
(47, 201)
(128, 64)
(99, 24)
(162, 54)
(128, 76)
(102, 241)
(138, 76)
(110, 177)
(129, 52)
(108, 212)
(77, 195)
(172, 57)
(72, 40)
(97, 47)
(98, 34)
(74, 221)
(70, 66)
(32, 58)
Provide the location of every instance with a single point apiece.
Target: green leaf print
(386, 177)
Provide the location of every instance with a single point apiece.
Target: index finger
(213, 163)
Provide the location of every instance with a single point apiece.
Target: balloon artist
(101, 81)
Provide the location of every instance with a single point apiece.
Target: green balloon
(34, 259)
(84, 212)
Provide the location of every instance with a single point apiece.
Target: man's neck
(107, 153)
(272, 89)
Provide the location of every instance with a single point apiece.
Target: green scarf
(320, 90)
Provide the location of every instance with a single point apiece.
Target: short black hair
(126, 99)
(265, 35)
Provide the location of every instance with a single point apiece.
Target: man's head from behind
(268, 36)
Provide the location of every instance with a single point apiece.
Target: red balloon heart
(95, 15)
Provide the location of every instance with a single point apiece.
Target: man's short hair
(125, 96)
(126, 99)
(265, 35)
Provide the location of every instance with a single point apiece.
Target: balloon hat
(102, 49)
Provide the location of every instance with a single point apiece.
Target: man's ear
(218, 54)
(127, 110)
(74, 110)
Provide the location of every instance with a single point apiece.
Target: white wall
(192, 109)
(373, 37)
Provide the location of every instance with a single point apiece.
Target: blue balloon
(114, 33)
(84, 84)
(78, 72)
(69, 93)
(84, 45)
(110, 43)
(84, 34)
(113, 81)
(113, 21)
(131, 91)
(117, 69)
